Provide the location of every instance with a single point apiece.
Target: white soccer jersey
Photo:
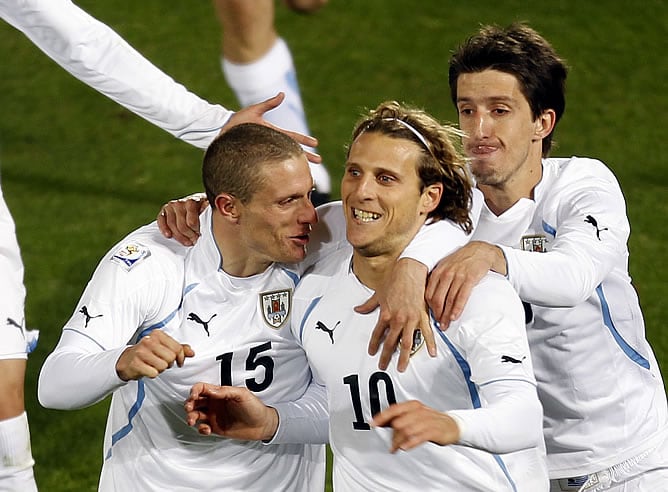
(238, 328)
(487, 344)
(598, 380)
(98, 56)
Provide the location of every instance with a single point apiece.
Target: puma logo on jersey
(84, 311)
(591, 220)
(198, 320)
(11, 322)
(512, 360)
(321, 326)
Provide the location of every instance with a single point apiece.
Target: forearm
(98, 56)
(305, 420)
(511, 421)
(72, 378)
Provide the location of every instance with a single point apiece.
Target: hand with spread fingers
(255, 114)
(402, 313)
(230, 411)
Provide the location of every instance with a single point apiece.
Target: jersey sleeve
(492, 334)
(510, 421)
(507, 415)
(305, 420)
(437, 240)
(129, 291)
(95, 54)
(590, 235)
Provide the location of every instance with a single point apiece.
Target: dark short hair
(234, 162)
(441, 159)
(519, 51)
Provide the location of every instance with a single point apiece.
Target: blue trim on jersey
(160, 324)
(502, 465)
(188, 289)
(549, 229)
(293, 276)
(466, 370)
(475, 398)
(630, 352)
(125, 430)
(85, 335)
(204, 130)
(306, 315)
(508, 379)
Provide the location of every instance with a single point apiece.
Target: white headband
(412, 129)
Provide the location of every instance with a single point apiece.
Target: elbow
(46, 392)
(50, 392)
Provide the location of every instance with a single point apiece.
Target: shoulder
(324, 277)
(577, 170)
(330, 222)
(331, 265)
(494, 299)
(145, 251)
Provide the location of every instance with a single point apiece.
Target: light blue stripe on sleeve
(475, 398)
(630, 352)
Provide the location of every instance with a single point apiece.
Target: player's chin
(296, 251)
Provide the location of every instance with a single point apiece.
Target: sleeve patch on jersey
(130, 254)
(537, 243)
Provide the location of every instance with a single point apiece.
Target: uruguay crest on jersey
(536, 244)
(275, 307)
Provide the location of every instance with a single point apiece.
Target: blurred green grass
(79, 172)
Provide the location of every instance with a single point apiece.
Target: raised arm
(95, 54)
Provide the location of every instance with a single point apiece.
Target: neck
(500, 197)
(372, 271)
(236, 259)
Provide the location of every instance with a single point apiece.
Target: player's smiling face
(503, 141)
(276, 222)
(381, 194)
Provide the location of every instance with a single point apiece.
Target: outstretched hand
(402, 313)
(255, 114)
(230, 411)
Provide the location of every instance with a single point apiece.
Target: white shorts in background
(647, 472)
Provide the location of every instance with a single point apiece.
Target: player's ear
(228, 206)
(544, 124)
(431, 197)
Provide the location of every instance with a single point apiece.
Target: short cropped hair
(235, 162)
(519, 51)
(441, 159)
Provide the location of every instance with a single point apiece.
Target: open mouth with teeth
(365, 216)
